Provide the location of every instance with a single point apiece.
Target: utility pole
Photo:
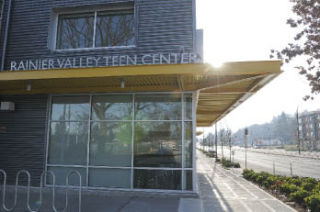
(298, 131)
(203, 139)
(246, 145)
(221, 141)
(229, 141)
(216, 140)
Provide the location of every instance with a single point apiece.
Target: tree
(306, 42)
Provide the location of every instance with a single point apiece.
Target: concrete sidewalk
(219, 190)
(223, 190)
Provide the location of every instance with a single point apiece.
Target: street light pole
(298, 131)
(216, 140)
(245, 141)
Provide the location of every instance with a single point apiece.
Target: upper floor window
(96, 29)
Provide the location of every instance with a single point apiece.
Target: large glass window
(132, 141)
(110, 144)
(157, 144)
(96, 29)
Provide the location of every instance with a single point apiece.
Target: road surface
(263, 161)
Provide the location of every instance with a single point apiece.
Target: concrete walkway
(219, 190)
(222, 190)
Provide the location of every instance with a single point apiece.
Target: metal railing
(43, 175)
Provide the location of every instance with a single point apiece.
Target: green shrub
(227, 163)
(236, 165)
(316, 189)
(247, 173)
(313, 202)
(270, 181)
(308, 186)
(262, 176)
(299, 196)
(287, 188)
(294, 180)
(309, 180)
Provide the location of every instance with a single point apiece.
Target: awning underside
(220, 89)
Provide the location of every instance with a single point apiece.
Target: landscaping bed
(224, 161)
(303, 191)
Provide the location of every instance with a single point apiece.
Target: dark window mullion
(94, 29)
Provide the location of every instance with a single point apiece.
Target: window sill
(93, 49)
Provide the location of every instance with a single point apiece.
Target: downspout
(5, 41)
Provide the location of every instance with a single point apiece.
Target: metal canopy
(220, 90)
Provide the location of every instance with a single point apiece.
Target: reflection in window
(158, 107)
(68, 143)
(61, 174)
(110, 144)
(188, 144)
(110, 178)
(157, 144)
(70, 108)
(75, 31)
(188, 181)
(115, 29)
(157, 179)
(151, 129)
(96, 29)
(112, 107)
(187, 106)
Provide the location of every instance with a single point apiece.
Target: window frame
(53, 42)
(132, 168)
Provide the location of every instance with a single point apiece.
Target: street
(223, 190)
(263, 161)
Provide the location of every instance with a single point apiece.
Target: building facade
(112, 89)
(309, 127)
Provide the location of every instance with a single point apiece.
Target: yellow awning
(220, 89)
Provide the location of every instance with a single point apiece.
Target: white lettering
(68, 63)
(51, 64)
(44, 64)
(89, 61)
(131, 61)
(74, 62)
(144, 59)
(33, 66)
(192, 58)
(114, 60)
(155, 59)
(61, 62)
(80, 62)
(164, 59)
(21, 66)
(184, 56)
(13, 66)
(97, 60)
(106, 61)
(175, 56)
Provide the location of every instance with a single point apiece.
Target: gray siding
(22, 144)
(163, 26)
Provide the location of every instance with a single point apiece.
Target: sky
(246, 30)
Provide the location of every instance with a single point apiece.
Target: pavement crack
(126, 204)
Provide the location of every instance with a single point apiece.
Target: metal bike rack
(68, 186)
(15, 190)
(4, 206)
(41, 194)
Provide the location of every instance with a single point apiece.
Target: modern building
(113, 89)
(309, 127)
